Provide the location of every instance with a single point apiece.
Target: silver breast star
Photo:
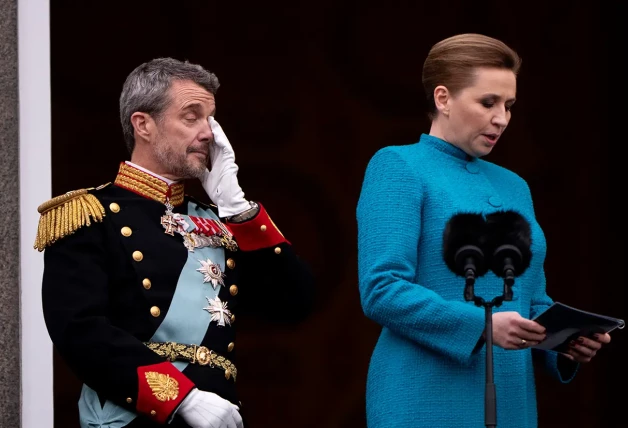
(218, 311)
(211, 273)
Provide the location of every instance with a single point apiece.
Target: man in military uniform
(142, 283)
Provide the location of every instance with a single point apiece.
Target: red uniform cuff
(259, 232)
(161, 389)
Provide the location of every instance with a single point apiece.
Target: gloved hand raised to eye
(202, 409)
(221, 182)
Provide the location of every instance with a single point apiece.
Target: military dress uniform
(141, 289)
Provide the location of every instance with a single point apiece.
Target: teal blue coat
(425, 370)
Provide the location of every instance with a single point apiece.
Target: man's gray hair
(146, 89)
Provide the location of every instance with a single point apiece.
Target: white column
(35, 188)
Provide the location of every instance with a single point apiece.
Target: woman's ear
(441, 99)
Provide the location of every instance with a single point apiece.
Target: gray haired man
(142, 283)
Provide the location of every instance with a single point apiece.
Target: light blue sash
(186, 322)
(93, 416)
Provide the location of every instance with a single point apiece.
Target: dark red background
(309, 92)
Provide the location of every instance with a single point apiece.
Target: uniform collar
(141, 168)
(149, 185)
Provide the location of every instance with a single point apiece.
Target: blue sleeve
(558, 366)
(389, 229)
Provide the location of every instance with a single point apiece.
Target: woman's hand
(583, 349)
(512, 331)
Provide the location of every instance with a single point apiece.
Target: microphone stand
(471, 235)
(490, 395)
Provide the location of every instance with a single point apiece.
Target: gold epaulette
(63, 215)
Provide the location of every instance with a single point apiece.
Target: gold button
(233, 290)
(153, 413)
(138, 256)
(126, 231)
(115, 208)
(230, 263)
(129, 400)
(155, 311)
(263, 228)
(227, 374)
(232, 318)
(230, 346)
(277, 250)
(146, 283)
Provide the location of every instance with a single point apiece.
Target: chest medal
(197, 232)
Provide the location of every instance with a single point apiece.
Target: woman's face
(476, 117)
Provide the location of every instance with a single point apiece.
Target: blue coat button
(495, 201)
(473, 167)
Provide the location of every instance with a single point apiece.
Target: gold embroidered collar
(149, 186)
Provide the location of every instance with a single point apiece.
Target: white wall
(35, 188)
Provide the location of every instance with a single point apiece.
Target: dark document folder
(563, 323)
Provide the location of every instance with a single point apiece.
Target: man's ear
(442, 97)
(143, 124)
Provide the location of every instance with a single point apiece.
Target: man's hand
(512, 331)
(201, 409)
(221, 183)
(583, 349)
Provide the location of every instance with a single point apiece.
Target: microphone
(509, 243)
(464, 240)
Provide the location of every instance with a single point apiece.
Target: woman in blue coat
(428, 366)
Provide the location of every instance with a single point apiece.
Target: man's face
(183, 136)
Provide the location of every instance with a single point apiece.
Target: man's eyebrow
(192, 106)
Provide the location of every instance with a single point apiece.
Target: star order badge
(218, 310)
(211, 273)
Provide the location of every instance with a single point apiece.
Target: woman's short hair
(452, 62)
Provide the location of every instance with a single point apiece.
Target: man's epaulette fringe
(63, 215)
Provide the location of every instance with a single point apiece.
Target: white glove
(202, 409)
(221, 183)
